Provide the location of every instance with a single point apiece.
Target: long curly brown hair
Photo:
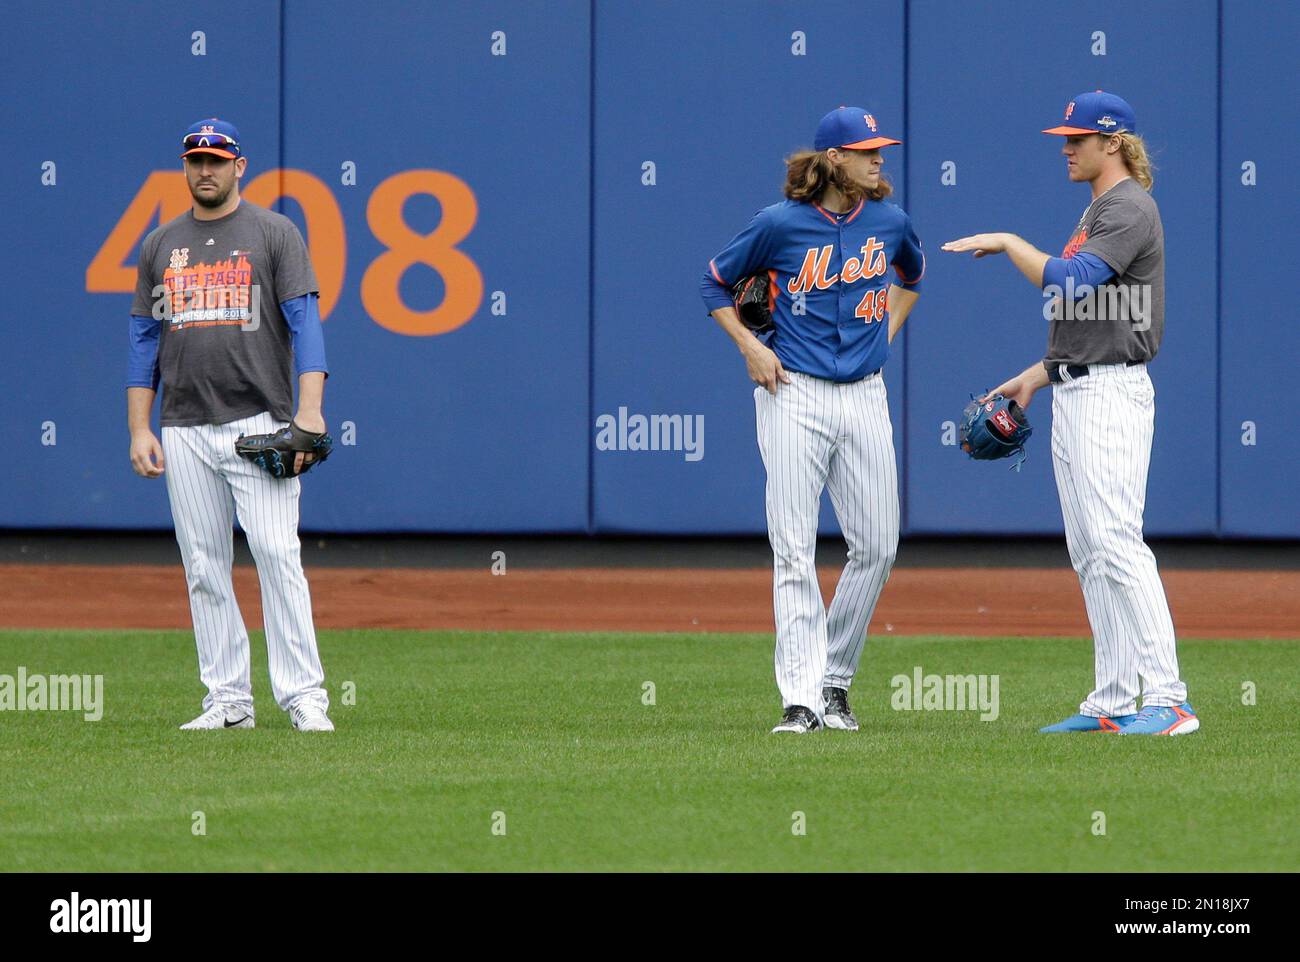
(809, 172)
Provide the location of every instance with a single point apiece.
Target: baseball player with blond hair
(825, 256)
(225, 308)
(1107, 308)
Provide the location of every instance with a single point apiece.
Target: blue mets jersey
(828, 278)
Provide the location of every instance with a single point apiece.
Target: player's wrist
(309, 419)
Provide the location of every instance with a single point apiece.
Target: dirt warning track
(953, 601)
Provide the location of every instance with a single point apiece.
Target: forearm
(311, 393)
(1029, 260)
(729, 320)
(139, 404)
(1035, 375)
(900, 301)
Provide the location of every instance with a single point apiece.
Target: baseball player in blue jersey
(830, 253)
(1107, 312)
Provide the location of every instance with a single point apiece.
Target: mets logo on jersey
(1076, 242)
(871, 122)
(180, 258)
(814, 273)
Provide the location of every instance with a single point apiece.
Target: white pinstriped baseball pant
(816, 434)
(1102, 428)
(208, 485)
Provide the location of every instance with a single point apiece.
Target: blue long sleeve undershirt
(302, 314)
(142, 359)
(1087, 271)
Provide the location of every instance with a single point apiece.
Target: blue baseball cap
(212, 136)
(1096, 113)
(853, 128)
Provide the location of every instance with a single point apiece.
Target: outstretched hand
(981, 244)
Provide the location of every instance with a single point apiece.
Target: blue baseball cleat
(1164, 720)
(1090, 723)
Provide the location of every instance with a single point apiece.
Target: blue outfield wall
(96, 97)
(509, 205)
(1259, 330)
(979, 322)
(482, 427)
(679, 85)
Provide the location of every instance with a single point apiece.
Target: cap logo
(1069, 110)
(207, 129)
(871, 122)
(1107, 121)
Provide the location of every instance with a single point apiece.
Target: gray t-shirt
(1124, 319)
(225, 352)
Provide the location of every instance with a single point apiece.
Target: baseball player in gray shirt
(225, 314)
(1105, 300)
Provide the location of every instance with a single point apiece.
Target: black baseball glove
(752, 303)
(276, 453)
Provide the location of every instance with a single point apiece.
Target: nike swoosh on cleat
(238, 721)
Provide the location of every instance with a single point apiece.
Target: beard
(843, 181)
(853, 189)
(213, 200)
(856, 190)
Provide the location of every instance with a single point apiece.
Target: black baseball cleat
(799, 720)
(836, 711)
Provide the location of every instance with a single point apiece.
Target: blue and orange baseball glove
(994, 428)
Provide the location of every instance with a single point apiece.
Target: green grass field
(449, 728)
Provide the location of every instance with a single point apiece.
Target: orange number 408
(165, 193)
